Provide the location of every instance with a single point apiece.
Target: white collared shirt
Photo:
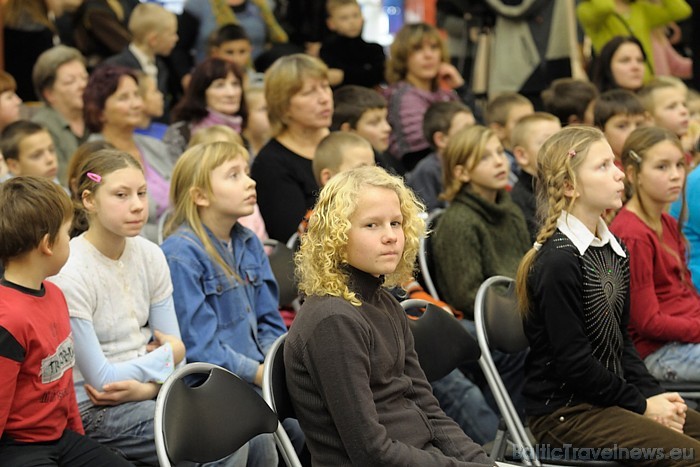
(147, 64)
(582, 238)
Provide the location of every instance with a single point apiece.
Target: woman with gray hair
(59, 77)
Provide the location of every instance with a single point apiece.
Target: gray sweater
(358, 390)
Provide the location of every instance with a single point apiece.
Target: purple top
(407, 105)
(158, 188)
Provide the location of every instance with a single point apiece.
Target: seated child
(119, 295)
(153, 108)
(570, 100)
(356, 401)
(527, 138)
(585, 383)
(28, 149)
(617, 113)
(502, 113)
(232, 43)
(39, 418)
(441, 121)
(257, 131)
(664, 305)
(226, 296)
(363, 111)
(350, 59)
(665, 102)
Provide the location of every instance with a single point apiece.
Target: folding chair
(500, 327)
(425, 259)
(441, 342)
(275, 393)
(210, 421)
(160, 232)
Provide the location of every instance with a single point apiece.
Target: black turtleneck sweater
(359, 393)
(362, 62)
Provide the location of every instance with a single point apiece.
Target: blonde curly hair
(320, 259)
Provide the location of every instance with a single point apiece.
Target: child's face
(517, 112)
(152, 99)
(233, 191)
(424, 61)
(599, 184)
(258, 122)
(459, 120)
(670, 111)
(165, 40)
(237, 51)
(119, 206)
(627, 66)
(60, 248)
(37, 157)
(694, 109)
(618, 128)
(376, 238)
(124, 108)
(224, 95)
(375, 128)
(346, 20)
(661, 175)
(356, 156)
(538, 133)
(10, 103)
(491, 172)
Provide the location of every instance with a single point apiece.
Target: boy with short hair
(527, 137)
(29, 150)
(502, 113)
(338, 152)
(154, 35)
(363, 111)
(665, 102)
(351, 60)
(441, 121)
(569, 99)
(617, 113)
(39, 419)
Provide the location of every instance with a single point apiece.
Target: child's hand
(449, 76)
(176, 344)
(668, 409)
(258, 376)
(122, 391)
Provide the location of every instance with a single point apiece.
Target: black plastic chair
(210, 421)
(275, 393)
(441, 342)
(282, 265)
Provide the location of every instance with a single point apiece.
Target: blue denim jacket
(223, 321)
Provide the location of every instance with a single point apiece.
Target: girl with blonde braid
(585, 383)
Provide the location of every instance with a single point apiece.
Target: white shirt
(582, 238)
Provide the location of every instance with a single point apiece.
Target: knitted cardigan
(474, 240)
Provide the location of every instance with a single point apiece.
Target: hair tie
(571, 153)
(537, 246)
(94, 177)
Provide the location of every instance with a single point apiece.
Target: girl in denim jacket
(225, 295)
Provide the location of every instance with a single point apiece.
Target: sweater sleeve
(593, 13)
(337, 358)
(558, 291)
(647, 317)
(665, 11)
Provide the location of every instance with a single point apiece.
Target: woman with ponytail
(585, 383)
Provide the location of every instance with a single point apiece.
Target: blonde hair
(409, 39)
(283, 80)
(215, 133)
(463, 149)
(499, 107)
(148, 18)
(648, 91)
(521, 130)
(331, 151)
(193, 172)
(320, 259)
(557, 163)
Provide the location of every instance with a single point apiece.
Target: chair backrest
(440, 340)
(160, 232)
(275, 393)
(282, 264)
(503, 324)
(194, 423)
(426, 262)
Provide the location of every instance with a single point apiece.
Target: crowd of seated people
(212, 130)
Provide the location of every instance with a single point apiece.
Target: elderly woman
(213, 97)
(59, 78)
(113, 111)
(300, 108)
